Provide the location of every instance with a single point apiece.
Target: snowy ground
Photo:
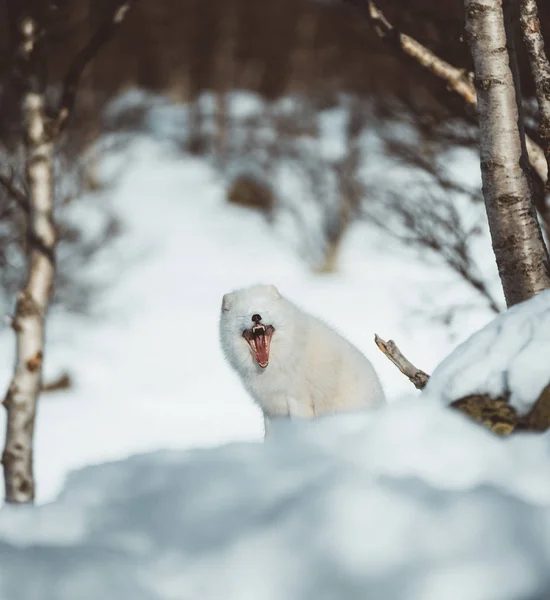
(150, 375)
(408, 503)
(412, 502)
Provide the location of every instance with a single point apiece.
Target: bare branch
(63, 382)
(457, 79)
(433, 222)
(83, 58)
(540, 67)
(417, 377)
(8, 183)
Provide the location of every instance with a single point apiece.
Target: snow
(413, 502)
(147, 366)
(506, 359)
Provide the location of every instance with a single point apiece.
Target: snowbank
(408, 503)
(507, 358)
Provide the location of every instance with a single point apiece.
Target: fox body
(291, 363)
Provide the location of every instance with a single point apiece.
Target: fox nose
(256, 318)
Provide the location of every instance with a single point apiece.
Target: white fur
(312, 369)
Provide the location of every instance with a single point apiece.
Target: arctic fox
(292, 364)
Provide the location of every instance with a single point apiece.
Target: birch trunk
(520, 253)
(540, 67)
(32, 305)
(42, 131)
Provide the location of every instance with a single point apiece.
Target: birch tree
(521, 255)
(506, 153)
(540, 67)
(43, 128)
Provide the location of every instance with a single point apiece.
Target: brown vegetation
(247, 190)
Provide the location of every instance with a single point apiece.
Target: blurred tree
(42, 120)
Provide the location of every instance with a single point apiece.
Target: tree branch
(433, 222)
(8, 183)
(83, 58)
(540, 67)
(457, 80)
(63, 382)
(417, 377)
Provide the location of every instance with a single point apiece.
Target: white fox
(291, 363)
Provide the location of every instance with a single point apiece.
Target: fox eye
(256, 318)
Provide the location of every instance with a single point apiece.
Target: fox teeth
(259, 340)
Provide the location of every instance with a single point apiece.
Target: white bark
(521, 255)
(540, 67)
(41, 134)
(32, 305)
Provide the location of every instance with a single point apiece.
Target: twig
(83, 58)
(458, 80)
(435, 223)
(7, 182)
(417, 377)
(63, 382)
(540, 67)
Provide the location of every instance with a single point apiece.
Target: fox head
(255, 327)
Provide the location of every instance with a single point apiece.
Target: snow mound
(508, 357)
(410, 502)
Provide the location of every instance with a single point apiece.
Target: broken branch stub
(416, 376)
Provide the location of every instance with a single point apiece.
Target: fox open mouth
(259, 340)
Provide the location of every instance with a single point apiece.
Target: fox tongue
(261, 350)
(259, 340)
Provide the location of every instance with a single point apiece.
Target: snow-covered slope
(408, 503)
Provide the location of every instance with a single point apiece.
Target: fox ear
(274, 292)
(226, 302)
